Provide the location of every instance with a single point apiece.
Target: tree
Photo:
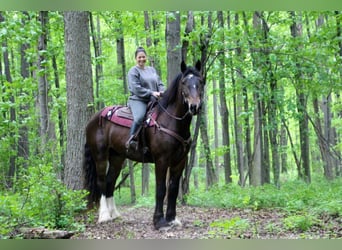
(80, 98)
(223, 106)
(23, 141)
(212, 178)
(172, 44)
(304, 171)
(43, 86)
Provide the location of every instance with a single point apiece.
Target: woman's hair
(139, 49)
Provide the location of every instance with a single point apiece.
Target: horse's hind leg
(115, 166)
(102, 169)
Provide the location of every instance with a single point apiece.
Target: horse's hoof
(163, 225)
(104, 217)
(160, 224)
(175, 223)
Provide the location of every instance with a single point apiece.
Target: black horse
(168, 143)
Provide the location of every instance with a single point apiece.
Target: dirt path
(204, 223)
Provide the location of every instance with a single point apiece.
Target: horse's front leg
(158, 217)
(175, 174)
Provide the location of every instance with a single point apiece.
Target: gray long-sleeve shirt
(142, 82)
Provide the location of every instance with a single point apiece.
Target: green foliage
(229, 228)
(299, 222)
(320, 197)
(41, 200)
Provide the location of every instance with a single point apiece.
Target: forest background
(271, 117)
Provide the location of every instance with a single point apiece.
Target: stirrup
(131, 143)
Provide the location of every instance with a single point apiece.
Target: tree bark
(80, 99)
(240, 103)
(172, 43)
(43, 85)
(296, 32)
(23, 140)
(223, 108)
(96, 38)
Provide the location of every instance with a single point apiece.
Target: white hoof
(172, 224)
(176, 223)
(104, 216)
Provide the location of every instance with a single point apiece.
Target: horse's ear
(183, 66)
(198, 65)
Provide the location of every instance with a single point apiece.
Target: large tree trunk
(172, 42)
(80, 99)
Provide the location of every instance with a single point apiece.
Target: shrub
(41, 200)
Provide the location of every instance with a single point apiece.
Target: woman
(143, 83)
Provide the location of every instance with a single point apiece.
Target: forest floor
(214, 223)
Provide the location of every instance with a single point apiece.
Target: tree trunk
(60, 115)
(80, 99)
(43, 85)
(256, 167)
(120, 51)
(96, 38)
(172, 43)
(211, 175)
(223, 107)
(296, 32)
(23, 140)
(240, 103)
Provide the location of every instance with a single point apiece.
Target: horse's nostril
(193, 108)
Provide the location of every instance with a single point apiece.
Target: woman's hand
(157, 94)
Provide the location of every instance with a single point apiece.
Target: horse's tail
(90, 182)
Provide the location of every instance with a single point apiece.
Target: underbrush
(40, 199)
(319, 197)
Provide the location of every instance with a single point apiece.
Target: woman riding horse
(168, 142)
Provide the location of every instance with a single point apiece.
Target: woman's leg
(138, 109)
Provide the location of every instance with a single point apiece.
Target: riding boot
(132, 143)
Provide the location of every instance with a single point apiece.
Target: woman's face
(141, 59)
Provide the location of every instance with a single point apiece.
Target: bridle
(171, 115)
(178, 118)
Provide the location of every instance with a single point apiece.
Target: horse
(167, 142)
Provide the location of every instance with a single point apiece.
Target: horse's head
(192, 86)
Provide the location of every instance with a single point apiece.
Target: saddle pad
(118, 114)
(122, 116)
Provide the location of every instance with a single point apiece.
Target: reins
(173, 116)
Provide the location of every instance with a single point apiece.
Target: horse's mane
(171, 92)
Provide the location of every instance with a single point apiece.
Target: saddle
(122, 115)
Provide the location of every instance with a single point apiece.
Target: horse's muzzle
(194, 108)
